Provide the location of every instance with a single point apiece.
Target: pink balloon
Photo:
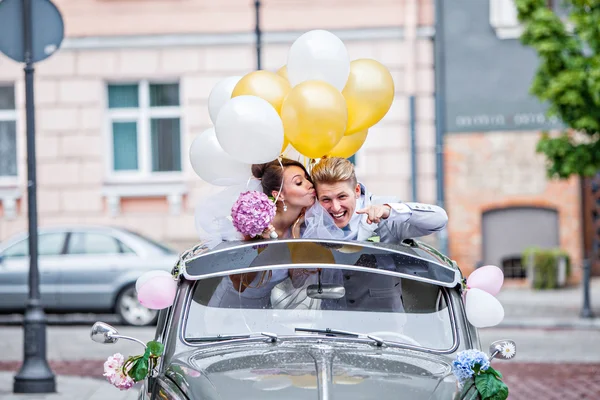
(157, 292)
(488, 278)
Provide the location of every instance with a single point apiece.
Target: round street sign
(47, 27)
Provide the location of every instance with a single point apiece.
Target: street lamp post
(440, 111)
(35, 375)
(258, 33)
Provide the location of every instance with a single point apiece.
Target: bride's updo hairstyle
(271, 174)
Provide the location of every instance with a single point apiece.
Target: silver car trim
(403, 249)
(312, 337)
(312, 266)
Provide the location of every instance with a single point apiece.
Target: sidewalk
(561, 308)
(69, 388)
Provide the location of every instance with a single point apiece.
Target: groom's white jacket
(406, 220)
(365, 291)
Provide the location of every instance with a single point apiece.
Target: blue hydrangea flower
(468, 363)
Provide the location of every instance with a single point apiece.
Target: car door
(14, 271)
(89, 276)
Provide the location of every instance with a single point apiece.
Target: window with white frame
(144, 121)
(503, 18)
(505, 21)
(8, 134)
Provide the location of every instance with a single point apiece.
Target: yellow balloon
(264, 84)
(314, 118)
(369, 93)
(283, 72)
(285, 144)
(349, 145)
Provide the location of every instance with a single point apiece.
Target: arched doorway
(507, 232)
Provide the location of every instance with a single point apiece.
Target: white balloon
(213, 164)
(483, 310)
(318, 55)
(250, 130)
(148, 275)
(221, 94)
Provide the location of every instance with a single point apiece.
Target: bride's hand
(269, 233)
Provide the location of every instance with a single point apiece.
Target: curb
(63, 320)
(550, 323)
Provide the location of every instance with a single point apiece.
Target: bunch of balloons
(482, 308)
(320, 103)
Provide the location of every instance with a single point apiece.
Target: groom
(362, 216)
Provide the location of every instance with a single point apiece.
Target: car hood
(276, 371)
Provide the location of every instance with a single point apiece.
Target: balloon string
(282, 178)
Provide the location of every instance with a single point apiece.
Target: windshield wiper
(335, 332)
(272, 337)
(328, 332)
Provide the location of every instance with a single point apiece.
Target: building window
(503, 18)
(145, 129)
(8, 134)
(512, 268)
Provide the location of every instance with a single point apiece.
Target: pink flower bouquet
(252, 213)
(124, 373)
(115, 374)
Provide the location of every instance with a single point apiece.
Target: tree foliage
(568, 80)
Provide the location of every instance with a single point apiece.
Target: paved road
(550, 364)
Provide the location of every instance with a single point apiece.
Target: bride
(289, 183)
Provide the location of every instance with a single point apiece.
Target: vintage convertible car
(307, 319)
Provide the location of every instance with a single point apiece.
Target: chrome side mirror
(503, 349)
(104, 333)
(325, 291)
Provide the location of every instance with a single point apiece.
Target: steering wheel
(401, 338)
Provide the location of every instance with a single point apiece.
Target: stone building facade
(498, 196)
(133, 77)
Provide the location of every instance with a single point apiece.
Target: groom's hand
(375, 213)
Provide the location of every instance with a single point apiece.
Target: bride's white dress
(257, 294)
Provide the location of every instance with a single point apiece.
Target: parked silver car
(315, 319)
(83, 269)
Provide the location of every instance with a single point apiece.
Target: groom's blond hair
(333, 170)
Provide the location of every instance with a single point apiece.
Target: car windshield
(323, 301)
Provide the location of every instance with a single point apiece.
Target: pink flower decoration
(252, 213)
(114, 373)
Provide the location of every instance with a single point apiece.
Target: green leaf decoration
(155, 348)
(146, 354)
(139, 370)
(502, 393)
(128, 364)
(497, 374)
(490, 387)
